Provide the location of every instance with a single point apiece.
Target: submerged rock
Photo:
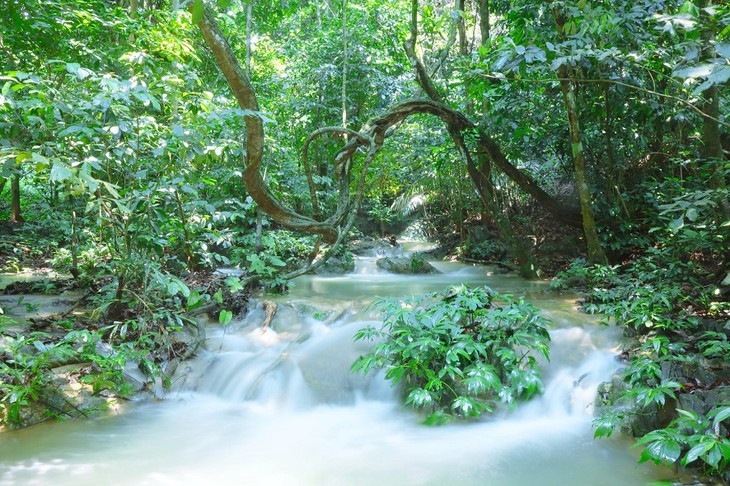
(414, 264)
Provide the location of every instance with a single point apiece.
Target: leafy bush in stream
(458, 352)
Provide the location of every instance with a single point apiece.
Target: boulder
(414, 264)
(337, 265)
(373, 247)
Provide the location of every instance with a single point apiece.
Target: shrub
(458, 352)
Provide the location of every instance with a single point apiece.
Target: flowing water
(280, 407)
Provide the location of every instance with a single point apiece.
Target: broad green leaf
(697, 451)
(194, 300)
(59, 172)
(172, 288)
(720, 74)
(72, 67)
(276, 261)
(676, 224)
(699, 71)
(21, 156)
(692, 214)
(722, 415)
(723, 49)
(225, 317)
(663, 450)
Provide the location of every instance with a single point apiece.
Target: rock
(337, 265)
(65, 397)
(373, 247)
(635, 422)
(575, 281)
(693, 372)
(702, 401)
(415, 264)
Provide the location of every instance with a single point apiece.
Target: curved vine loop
(371, 137)
(341, 172)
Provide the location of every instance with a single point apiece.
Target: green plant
(714, 345)
(691, 437)
(28, 362)
(458, 352)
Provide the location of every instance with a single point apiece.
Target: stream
(280, 407)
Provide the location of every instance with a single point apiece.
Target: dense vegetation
(460, 351)
(525, 132)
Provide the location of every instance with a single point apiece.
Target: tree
(568, 76)
(371, 137)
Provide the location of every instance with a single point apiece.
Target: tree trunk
(370, 138)
(242, 91)
(461, 27)
(484, 26)
(595, 251)
(712, 144)
(249, 21)
(344, 64)
(567, 76)
(16, 216)
(494, 154)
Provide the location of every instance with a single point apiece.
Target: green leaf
(225, 317)
(662, 451)
(697, 451)
(194, 300)
(720, 415)
(419, 397)
(437, 418)
(604, 426)
(720, 74)
(723, 49)
(198, 11)
(699, 71)
(234, 284)
(59, 172)
(276, 261)
(676, 224)
(172, 288)
(692, 214)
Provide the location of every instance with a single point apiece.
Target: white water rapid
(280, 407)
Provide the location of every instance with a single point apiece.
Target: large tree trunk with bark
(595, 251)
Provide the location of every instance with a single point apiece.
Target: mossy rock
(64, 397)
(413, 265)
(337, 266)
(635, 422)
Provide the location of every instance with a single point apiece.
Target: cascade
(279, 406)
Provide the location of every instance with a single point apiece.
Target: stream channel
(280, 407)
